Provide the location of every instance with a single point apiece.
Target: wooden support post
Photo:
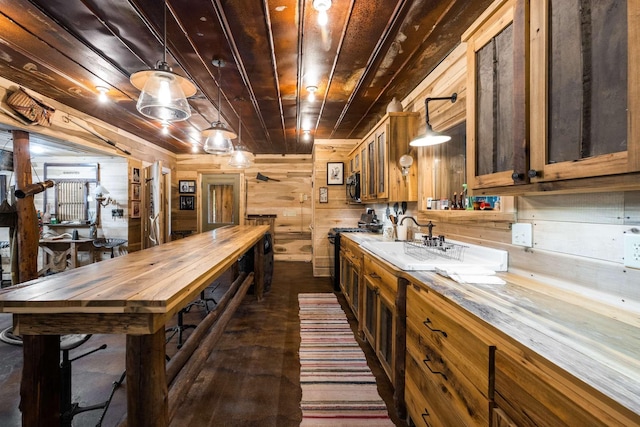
(147, 394)
(40, 386)
(28, 233)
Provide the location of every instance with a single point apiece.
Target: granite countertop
(596, 341)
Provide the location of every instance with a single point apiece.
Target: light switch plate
(521, 234)
(632, 250)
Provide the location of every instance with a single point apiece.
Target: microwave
(353, 187)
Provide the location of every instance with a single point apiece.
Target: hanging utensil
(395, 208)
(404, 208)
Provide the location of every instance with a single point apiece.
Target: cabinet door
(364, 173)
(584, 103)
(386, 335)
(371, 171)
(370, 302)
(496, 125)
(382, 163)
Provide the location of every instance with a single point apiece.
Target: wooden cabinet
(380, 290)
(553, 99)
(447, 363)
(377, 156)
(530, 391)
(350, 268)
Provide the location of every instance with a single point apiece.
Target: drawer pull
(425, 360)
(424, 415)
(374, 276)
(427, 323)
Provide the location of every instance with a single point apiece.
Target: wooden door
(220, 201)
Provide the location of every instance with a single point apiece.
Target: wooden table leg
(40, 386)
(258, 268)
(147, 394)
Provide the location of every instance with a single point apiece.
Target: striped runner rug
(338, 388)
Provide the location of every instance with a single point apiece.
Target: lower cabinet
(380, 316)
(530, 391)
(350, 267)
(448, 363)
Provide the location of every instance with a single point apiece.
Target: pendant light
(241, 157)
(163, 93)
(217, 138)
(431, 137)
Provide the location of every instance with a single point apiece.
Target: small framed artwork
(135, 209)
(324, 195)
(187, 203)
(135, 174)
(135, 191)
(335, 173)
(187, 186)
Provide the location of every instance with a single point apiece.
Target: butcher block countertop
(158, 281)
(596, 340)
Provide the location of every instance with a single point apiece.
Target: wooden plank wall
(282, 198)
(337, 212)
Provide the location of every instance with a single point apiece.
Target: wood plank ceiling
(370, 51)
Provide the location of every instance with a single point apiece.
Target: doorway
(220, 201)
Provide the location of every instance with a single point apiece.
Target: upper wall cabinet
(554, 96)
(377, 157)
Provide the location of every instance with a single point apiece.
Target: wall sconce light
(102, 196)
(405, 163)
(431, 137)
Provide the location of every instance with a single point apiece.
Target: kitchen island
(134, 295)
(571, 350)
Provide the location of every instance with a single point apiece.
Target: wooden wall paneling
(281, 198)
(337, 212)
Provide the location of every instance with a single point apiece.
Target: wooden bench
(134, 295)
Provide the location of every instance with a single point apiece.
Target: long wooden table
(134, 295)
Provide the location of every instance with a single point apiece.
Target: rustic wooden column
(40, 386)
(147, 393)
(28, 231)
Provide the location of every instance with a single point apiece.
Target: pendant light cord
(164, 36)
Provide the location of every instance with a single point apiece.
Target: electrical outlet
(521, 234)
(632, 250)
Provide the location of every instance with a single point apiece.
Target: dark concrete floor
(251, 378)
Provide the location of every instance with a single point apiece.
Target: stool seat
(71, 341)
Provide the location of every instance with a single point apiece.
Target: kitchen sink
(415, 256)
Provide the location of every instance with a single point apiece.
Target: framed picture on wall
(324, 195)
(135, 174)
(335, 173)
(187, 203)
(186, 186)
(135, 209)
(135, 191)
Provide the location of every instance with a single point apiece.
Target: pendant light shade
(217, 138)
(431, 137)
(241, 158)
(163, 93)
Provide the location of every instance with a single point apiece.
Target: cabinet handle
(424, 415)
(374, 276)
(516, 176)
(533, 173)
(427, 324)
(427, 359)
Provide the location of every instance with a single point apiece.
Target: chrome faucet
(429, 226)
